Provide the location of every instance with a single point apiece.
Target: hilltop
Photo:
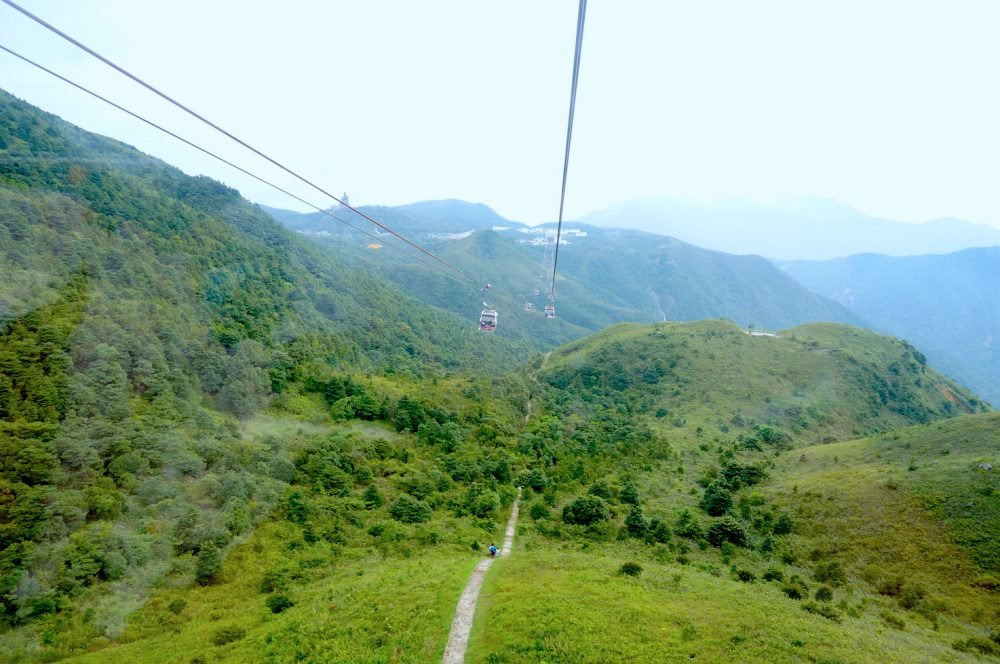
(948, 305)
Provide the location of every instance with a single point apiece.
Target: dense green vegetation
(219, 442)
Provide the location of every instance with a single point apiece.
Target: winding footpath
(458, 638)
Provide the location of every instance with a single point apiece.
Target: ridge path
(458, 638)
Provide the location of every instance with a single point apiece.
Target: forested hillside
(605, 276)
(144, 313)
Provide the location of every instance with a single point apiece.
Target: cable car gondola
(550, 311)
(528, 306)
(488, 320)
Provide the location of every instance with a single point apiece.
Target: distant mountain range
(804, 228)
(605, 276)
(948, 305)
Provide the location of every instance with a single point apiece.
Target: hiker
(493, 550)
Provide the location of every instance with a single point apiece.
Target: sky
(890, 106)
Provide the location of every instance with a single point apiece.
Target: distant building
(345, 201)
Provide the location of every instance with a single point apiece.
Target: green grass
(366, 608)
(556, 603)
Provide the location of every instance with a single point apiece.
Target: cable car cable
(569, 133)
(211, 124)
(214, 156)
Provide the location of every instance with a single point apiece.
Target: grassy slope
(881, 508)
(560, 598)
(561, 604)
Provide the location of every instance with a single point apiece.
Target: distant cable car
(528, 306)
(550, 311)
(488, 320)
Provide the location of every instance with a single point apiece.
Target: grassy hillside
(748, 540)
(948, 305)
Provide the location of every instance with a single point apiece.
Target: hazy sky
(890, 106)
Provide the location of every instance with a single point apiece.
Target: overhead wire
(581, 16)
(229, 135)
(215, 156)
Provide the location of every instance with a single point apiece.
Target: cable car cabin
(528, 306)
(488, 320)
(550, 311)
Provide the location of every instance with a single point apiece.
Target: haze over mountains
(806, 228)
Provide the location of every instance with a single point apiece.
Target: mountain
(145, 317)
(947, 305)
(605, 276)
(805, 228)
(222, 442)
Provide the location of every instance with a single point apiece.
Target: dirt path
(458, 639)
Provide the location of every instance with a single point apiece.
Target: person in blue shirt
(493, 550)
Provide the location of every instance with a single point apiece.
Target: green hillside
(146, 313)
(221, 442)
(749, 541)
(606, 276)
(948, 305)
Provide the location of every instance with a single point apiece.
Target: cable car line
(214, 156)
(246, 145)
(569, 139)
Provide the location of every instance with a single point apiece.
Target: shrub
(586, 510)
(891, 587)
(717, 499)
(600, 488)
(824, 594)
(278, 603)
(746, 576)
(911, 595)
(783, 525)
(225, 635)
(629, 494)
(408, 509)
(658, 532)
(688, 527)
(177, 606)
(538, 511)
(630, 569)
(773, 574)
(892, 620)
(373, 497)
(486, 505)
(271, 581)
(825, 610)
(635, 522)
(830, 572)
(208, 566)
(534, 479)
(796, 588)
(726, 529)
(977, 644)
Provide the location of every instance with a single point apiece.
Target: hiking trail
(458, 638)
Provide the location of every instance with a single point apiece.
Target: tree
(717, 499)
(208, 566)
(586, 510)
(408, 509)
(726, 529)
(635, 522)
